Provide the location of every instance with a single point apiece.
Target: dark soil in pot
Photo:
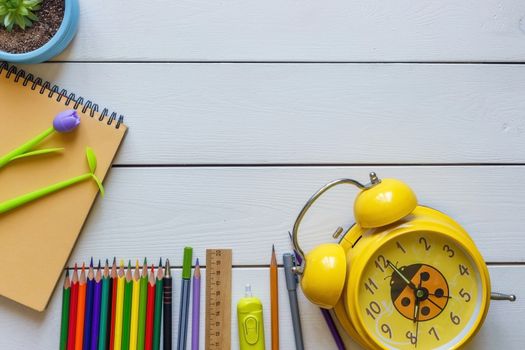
(49, 16)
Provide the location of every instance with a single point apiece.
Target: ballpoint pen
(184, 298)
(291, 285)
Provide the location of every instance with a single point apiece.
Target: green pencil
(158, 308)
(126, 316)
(65, 312)
(143, 301)
(104, 309)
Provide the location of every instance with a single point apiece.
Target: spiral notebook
(37, 239)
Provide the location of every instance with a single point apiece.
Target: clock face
(419, 290)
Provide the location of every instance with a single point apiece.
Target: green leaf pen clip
(250, 321)
(29, 197)
(65, 121)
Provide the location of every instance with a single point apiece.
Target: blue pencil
(89, 307)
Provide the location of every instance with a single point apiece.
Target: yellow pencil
(133, 335)
(120, 305)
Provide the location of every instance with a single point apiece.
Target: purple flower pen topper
(65, 121)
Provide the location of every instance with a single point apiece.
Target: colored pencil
(79, 331)
(113, 308)
(274, 299)
(196, 307)
(73, 307)
(104, 309)
(88, 312)
(135, 304)
(150, 311)
(159, 290)
(119, 310)
(143, 301)
(167, 285)
(66, 295)
(126, 315)
(97, 294)
(185, 298)
(333, 329)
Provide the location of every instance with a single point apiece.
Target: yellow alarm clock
(404, 276)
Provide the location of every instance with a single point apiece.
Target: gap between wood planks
(317, 165)
(301, 62)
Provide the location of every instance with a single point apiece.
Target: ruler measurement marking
(218, 299)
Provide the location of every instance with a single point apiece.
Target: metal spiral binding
(26, 78)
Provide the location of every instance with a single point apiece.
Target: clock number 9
(448, 250)
(376, 310)
(423, 240)
(455, 318)
(386, 329)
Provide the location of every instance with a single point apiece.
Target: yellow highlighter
(250, 321)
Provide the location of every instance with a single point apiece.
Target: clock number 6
(455, 318)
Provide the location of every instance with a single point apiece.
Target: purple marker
(333, 329)
(96, 310)
(196, 307)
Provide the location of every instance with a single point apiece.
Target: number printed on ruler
(218, 299)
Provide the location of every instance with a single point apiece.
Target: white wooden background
(239, 110)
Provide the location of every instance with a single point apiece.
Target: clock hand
(403, 277)
(439, 307)
(416, 308)
(440, 296)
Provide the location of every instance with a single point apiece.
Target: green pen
(250, 321)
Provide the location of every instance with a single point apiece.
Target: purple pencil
(97, 293)
(333, 329)
(196, 307)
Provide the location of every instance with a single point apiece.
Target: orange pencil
(274, 297)
(81, 309)
(73, 307)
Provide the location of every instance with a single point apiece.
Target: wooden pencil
(66, 296)
(105, 308)
(79, 331)
(97, 295)
(126, 315)
(73, 307)
(159, 290)
(150, 311)
(274, 298)
(135, 304)
(143, 300)
(88, 311)
(119, 311)
(113, 292)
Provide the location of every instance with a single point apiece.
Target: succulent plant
(18, 12)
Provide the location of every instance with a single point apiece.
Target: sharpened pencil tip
(167, 269)
(98, 264)
(114, 260)
(273, 248)
(67, 272)
(122, 263)
(137, 264)
(197, 262)
(145, 261)
(129, 264)
(91, 262)
(160, 262)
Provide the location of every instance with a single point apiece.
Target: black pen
(167, 287)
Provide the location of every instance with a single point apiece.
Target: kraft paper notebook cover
(37, 239)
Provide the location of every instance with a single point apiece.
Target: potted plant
(34, 31)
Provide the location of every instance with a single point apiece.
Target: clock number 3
(448, 250)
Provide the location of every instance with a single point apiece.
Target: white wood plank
(157, 211)
(308, 113)
(275, 30)
(21, 328)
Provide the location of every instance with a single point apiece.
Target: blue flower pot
(56, 44)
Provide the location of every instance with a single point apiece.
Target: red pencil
(73, 306)
(150, 310)
(113, 304)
